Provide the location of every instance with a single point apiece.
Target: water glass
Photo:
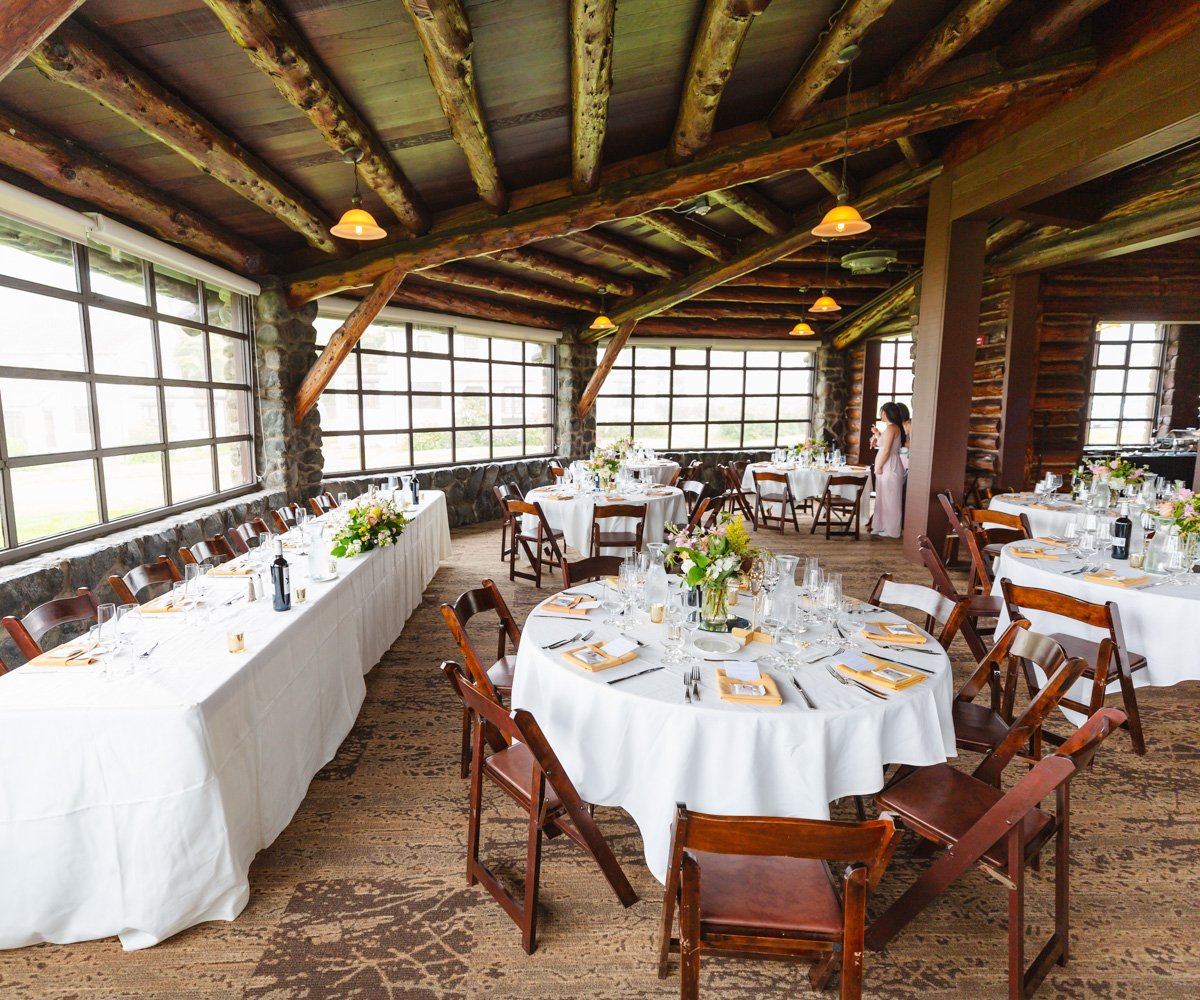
(106, 615)
(192, 578)
(673, 619)
(610, 601)
(343, 499)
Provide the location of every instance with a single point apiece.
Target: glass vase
(714, 608)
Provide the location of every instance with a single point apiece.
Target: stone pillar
(831, 394)
(289, 456)
(576, 435)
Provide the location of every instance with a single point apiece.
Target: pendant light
(356, 222)
(802, 329)
(602, 323)
(825, 303)
(844, 219)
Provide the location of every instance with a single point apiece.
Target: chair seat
(786, 895)
(948, 803)
(773, 497)
(976, 726)
(532, 536)
(1090, 651)
(985, 606)
(501, 674)
(512, 770)
(993, 551)
(616, 538)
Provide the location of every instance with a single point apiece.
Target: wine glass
(831, 596)
(610, 601)
(673, 617)
(106, 614)
(691, 622)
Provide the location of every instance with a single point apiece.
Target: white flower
(687, 565)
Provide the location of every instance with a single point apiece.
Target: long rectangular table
(134, 805)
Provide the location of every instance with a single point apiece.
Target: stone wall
(576, 365)
(831, 397)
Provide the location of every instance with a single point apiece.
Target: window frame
(893, 369)
(12, 548)
(1155, 394)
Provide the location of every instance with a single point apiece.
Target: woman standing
(888, 518)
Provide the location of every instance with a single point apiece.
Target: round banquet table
(811, 482)
(570, 511)
(1153, 617)
(1046, 518)
(661, 470)
(638, 746)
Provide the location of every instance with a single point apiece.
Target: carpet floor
(363, 896)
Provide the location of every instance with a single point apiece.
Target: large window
(896, 371)
(685, 398)
(124, 387)
(1126, 376)
(412, 394)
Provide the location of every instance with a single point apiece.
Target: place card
(751, 636)
(903, 633)
(231, 570)
(73, 654)
(572, 606)
(1112, 579)
(1033, 553)
(602, 655)
(881, 673)
(762, 692)
(743, 672)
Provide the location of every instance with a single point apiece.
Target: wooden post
(606, 365)
(591, 85)
(870, 402)
(1020, 377)
(951, 289)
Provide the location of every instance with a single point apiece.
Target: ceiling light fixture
(844, 219)
(802, 329)
(356, 222)
(602, 323)
(825, 303)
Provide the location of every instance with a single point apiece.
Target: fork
(687, 687)
(824, 656)
(562, 642)
(696, 681)
(848, 682)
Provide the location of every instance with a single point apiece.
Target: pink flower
(1115, 463)
(1183, 494)
(1166, 508)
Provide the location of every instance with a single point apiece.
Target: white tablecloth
(133, 805)
(812, 482)
(1156, 620)
(1043, 522)
(659, 471)
(638, 746)
(573, 514)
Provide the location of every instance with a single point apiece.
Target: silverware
(687, 687)
(841, 679)
(78, 653)
(813, 659)
(804, 694)
(587, 635)
(908, 666)
(149, 650)
(696, 681)
(906, 649)
(563, 642)
(628, 677)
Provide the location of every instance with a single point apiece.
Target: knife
(804, 694)
(627, 677)
(897, 663)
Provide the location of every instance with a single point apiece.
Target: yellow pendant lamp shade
(358, 224)
(802, 329)
(841, 220)
(825, 304)
(602, 322)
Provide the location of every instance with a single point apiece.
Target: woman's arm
(887, 444)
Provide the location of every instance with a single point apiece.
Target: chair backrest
(330, 499)
(675, 477)
(587, 570)
(987, 518)
(858, 482)
(711, 515)
(943, 583)
(1102, 616)
(503, 494)
(514, 490)
(946, 611)
(761, 476)
(484, 599)
(28, 630)
(557, 470)
(695, 469)
(693, 492)
(239, 537)
(128, 588)
(284, 518)
(731, 477)
(208, 548)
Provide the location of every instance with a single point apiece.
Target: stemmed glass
(831, 597)
(673, 617)
(610, 601)
(691, 622)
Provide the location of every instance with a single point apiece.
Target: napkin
(609, 496)
(228, 570)
(575, 611)
(1115, 580)
(902, 633)
(65, 656)
(1033, 553)
(880, 673)
(602, 655)
(1048, 506)
(749, 636)
(732, 690)
(160, 605)
(1054, 540)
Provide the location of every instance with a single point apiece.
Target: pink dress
(887, 519)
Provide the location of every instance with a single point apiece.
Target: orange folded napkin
(1051, 540)
(609, 496)
(594, 656)
(564, 605)
(1048, 506)
(1033, 554)
(160, 605)
(882, 673)
(231, 570)
(68, 655)
(1113, 580)
(902, 633)
(738, 693)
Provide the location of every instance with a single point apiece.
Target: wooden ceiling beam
(445, 35)
(418, 294)
(591, 87)
(821, 68)
(914, 149)
(467, 276)
(72, 170)
(736, 329)
(957, 29)
(755, 208)
(830, 179)
(690, 234)
(618, 341)
(74, 56)
(853, 328)
(24, 25)
(743, 155)
(342, 342)
(731, 311)
(628, 252)
(1053, 23)
(274, 44)
(565, 269)
(724, 25)
(779, 277)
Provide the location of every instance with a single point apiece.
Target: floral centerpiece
(708, 558)
(1117, 471)
(366, 524)
(604, 463)
(808, 446)
(1183, 508)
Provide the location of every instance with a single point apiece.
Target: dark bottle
(281, 579)
(416, 489)
(1122, 531)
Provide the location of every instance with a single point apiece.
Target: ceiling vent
(869, 261)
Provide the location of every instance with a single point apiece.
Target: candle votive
(656, 613)
(299, 594)
(732, 587)
(235, 640)
(1137, 560)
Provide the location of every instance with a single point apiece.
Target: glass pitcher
(321, 564)
(783, 597)
(656, 576)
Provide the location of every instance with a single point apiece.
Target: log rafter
(25, 25)
(883, 307)
(755, 208)
(619, 338)
(78, 58)
(723, 27)
(628, 252)
(564, 269)
(1049, 26)
(591, 87)
(276, 47)
(957, 29)
(746, 154)
(468, 276)
(445, 35)
(690, 234)
(418, 293)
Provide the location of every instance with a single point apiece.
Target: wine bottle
(281, 578)
(1122, 531)
(416, 489)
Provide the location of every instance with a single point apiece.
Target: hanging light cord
(845, 190)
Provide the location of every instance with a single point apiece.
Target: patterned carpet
(363, 896)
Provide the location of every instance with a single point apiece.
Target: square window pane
(1135, 432)
(1102, 432)
(652, 382)
(540, 353)
(691, 383)
(235, 465)
(651, 408)
(607, 434)
(507, 350)
(618, 383)
(232, 410)
(904, 353)
(124, 345)
(652, 435)
(228, 356)
(473, 446)
(761, 407)
(42, 417)
(34, 255)
(718, 358)
(1108, 381)
(887, 354)
(796, 359)
(690, 408)
(471, 376)
(725, 408)
(614, 410)
(467, 346)
(187, 414)
(38, 331)
(341, 453)
(431, 448)
(1144, 355)
(385, 413)
(904, 383)
(762, 359)
(762, 382)
(176, 294)
(795, 407)
(540, 410)
(687, 435)
(508, 379)
(1138, 408)
(133, 484)
(537, 440)
(226, 309)
(797, 381)
(431, 339)
(51, 499)
(381, 336)
(792, 432)
(128, 415)
(1146, 331)
(539, 381)
(1112, 331)
(1106, 407)
(507, 410)
(1142, 380)
(384, 372)
(691, 356)
(388, 451)
(182, 352)
(725, 435)
(191, 473)
(1111, 354)
(759, 435)
(728, 382)
(507, 443)
(339, 411)
(116, 277)
(429, 375)
(431, 411)
(652, 357)
(474, 411)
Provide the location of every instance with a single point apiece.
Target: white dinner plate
(715, 642)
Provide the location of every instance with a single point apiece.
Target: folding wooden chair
(693, 493)
(208, 548)
(589, 569)
(539, 543)
(771, 488)
(496, 680)
(739, 498)
(239, 537)
(999, 831)
(284, 518)
(975, 606)
(1109, 655)
(994, 529)
(503, 493)
(838, 510)
(943, 611)
(954, 515)
(523, 765)
(27, 631)
(631, 540)
(756, 887)
(129, 587)
(557, 471)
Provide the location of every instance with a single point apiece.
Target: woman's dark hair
(904, 414)
(895, 414)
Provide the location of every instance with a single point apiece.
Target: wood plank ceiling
(528, 158)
